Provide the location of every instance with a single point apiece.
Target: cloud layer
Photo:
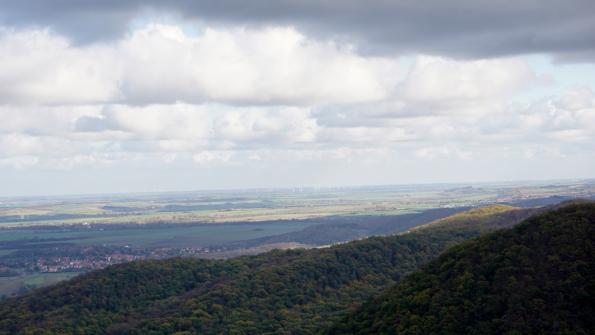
(281, 98)
(162, 64)
(459, 28)
(161, 92)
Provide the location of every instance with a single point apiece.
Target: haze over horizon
(302, 188)
(143, 96)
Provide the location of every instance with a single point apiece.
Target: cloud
(40, 120)
(162, 64)
(448, 82)
(442, 152)
(20, 162)
(435, 88)
(459, 28)
(212, 134)
(269, 125)
(39, 67)
(155, 122)
(266, 97)
(206, 157)
(13, 144)
(568, 118)
(185, 126)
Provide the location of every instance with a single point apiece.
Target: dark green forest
(537, 278)
(280, 292)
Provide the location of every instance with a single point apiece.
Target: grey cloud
(83, 21)
(458, 28)
(576, 57)
(94, 124)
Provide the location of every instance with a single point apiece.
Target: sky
(144, 96)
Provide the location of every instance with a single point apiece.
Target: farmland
(156, 235)
(46, 239)
(268, 205)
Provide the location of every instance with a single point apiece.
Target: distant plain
(222, 224)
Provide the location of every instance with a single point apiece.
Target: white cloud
(20, 162)
(162, 64)
(266, 124)
(222, 133)
(44, 119)
(443, 152)
(442, 94)
(209, 156)
(569, 117)
(268, 97)
(272, 65)
(39, 67)
(167, 122)
(19, 144)
(435, 79)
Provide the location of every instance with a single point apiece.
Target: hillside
(485, 218)
(348, 228)
(297, 291)
(538, 277)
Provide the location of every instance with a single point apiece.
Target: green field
(214, 218)
(244, 206)
(174, 236)
(270, 205)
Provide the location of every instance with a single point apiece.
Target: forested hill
(296, 291)
(538, 278)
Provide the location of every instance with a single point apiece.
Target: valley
(132, 227)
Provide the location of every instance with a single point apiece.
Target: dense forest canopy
(537, 278)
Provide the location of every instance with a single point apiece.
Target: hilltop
(537, 278)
